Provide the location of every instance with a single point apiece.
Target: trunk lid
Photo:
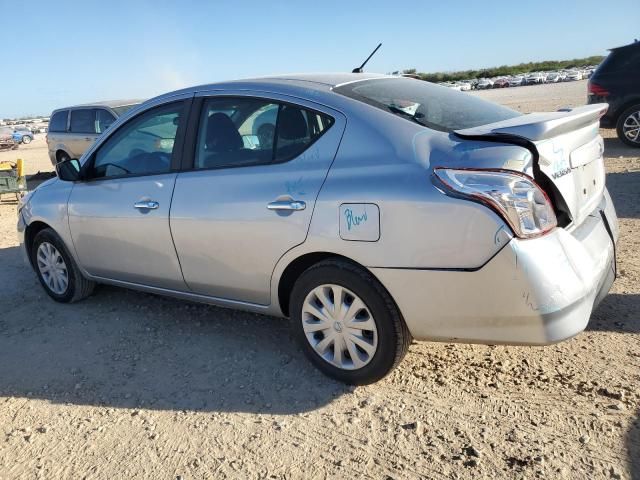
(569, 149)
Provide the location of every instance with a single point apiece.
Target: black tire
(620, 126)
(393, 336)
(26, 139)
(62, 156)
(78, 286)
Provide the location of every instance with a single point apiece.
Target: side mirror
(68, 170)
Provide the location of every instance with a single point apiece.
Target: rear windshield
(433, 106)
(623, 60)
(123, 108)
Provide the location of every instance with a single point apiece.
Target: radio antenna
(359, 69)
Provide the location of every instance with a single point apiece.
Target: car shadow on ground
(614, 148)
(617, 313)
(121, 348)
(633, 448)
(624, 188)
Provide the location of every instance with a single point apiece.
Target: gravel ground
(130, 385)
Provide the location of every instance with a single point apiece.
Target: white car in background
(484, 83)
(464, 86)
(553, 77)
(516, 81)
(535, 78)
(573, 75)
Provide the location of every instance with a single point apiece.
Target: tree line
(505, 70)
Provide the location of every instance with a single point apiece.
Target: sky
(65, 52)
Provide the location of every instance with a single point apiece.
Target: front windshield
(427, 104)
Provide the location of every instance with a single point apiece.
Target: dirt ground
(130, 385)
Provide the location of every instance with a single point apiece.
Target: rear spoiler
(540, 125)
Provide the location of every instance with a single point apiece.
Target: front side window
(143, 145)
(104, 119)
(58, 122)
(249, 131)
(426, 104)
(83, 121)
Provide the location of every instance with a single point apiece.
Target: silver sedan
(369, 209)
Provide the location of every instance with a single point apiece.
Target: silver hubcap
(339, 327)
(631, 127)
(52, 268)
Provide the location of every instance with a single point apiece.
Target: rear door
(257, 165)
(82, 131)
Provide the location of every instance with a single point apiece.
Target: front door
(258, 165)
(119, 213)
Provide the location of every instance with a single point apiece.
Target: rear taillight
(595, 89)
(512, 195)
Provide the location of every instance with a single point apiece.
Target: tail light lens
(595, 89)
(512, 195)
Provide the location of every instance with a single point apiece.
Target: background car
(574, 75)
(617, 82)
(501, 83)
(534, 78)
(516, 81)
(6, 138)
(484, 83)
(74, 129)
(553, 77)
(23, 135)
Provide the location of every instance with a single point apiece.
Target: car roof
(635, 44)
(108, 103)
(321, 80)
(314, 81)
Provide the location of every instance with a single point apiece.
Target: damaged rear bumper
(537, 291)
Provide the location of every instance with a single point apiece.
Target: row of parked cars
(532, 78)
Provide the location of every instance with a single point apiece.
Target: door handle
(146, 205)
(287, 205)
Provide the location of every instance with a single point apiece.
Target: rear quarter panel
(387, 162)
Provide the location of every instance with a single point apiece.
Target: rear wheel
(26, 139)
(628, 126)
(57, 271)
(347, 323)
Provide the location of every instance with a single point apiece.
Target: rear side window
(424, 103)
(83, 121)
(248, 131)
(58, 122)
(104, 119)
(623, 60)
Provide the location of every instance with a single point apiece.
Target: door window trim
(176, 156)
(191, 139)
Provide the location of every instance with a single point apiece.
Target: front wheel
(347, 323)
(628, 126)
(26, 139)
(57, 271)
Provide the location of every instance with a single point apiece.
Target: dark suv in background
(617, 82)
